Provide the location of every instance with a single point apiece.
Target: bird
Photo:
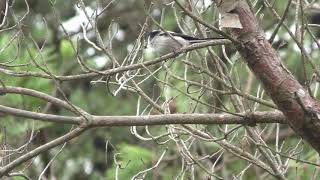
(164, 42)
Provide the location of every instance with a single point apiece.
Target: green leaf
(66, 50)
(132, 159)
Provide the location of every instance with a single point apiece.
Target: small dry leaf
(230, 20)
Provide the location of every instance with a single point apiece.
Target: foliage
(132, 159)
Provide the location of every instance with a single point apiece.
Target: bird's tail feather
(200, 40)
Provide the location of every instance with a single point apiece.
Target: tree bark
(301, 110)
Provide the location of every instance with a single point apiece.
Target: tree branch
(301, 110)
(242, 118)
(118, 69)
(65, 138)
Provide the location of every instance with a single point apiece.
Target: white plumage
(167, 42)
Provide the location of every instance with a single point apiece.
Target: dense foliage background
(50, 34)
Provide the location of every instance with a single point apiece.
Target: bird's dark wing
(184, 36)
(189, 38)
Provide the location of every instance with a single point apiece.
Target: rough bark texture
(300, 109)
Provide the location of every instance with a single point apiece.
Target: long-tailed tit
(166, 42)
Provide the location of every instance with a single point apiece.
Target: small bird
(166, 42)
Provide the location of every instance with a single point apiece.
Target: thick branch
(37, 94)
(291, 98)
(256, 117)
(248, 118)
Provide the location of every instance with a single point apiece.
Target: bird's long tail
(200, 40)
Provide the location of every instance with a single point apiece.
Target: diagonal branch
(300, 109)
(118, 69)
(65, 138)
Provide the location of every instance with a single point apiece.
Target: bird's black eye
(152, 34)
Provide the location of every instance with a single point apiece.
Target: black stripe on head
(153, 33)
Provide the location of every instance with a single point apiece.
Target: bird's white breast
(166, 44)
